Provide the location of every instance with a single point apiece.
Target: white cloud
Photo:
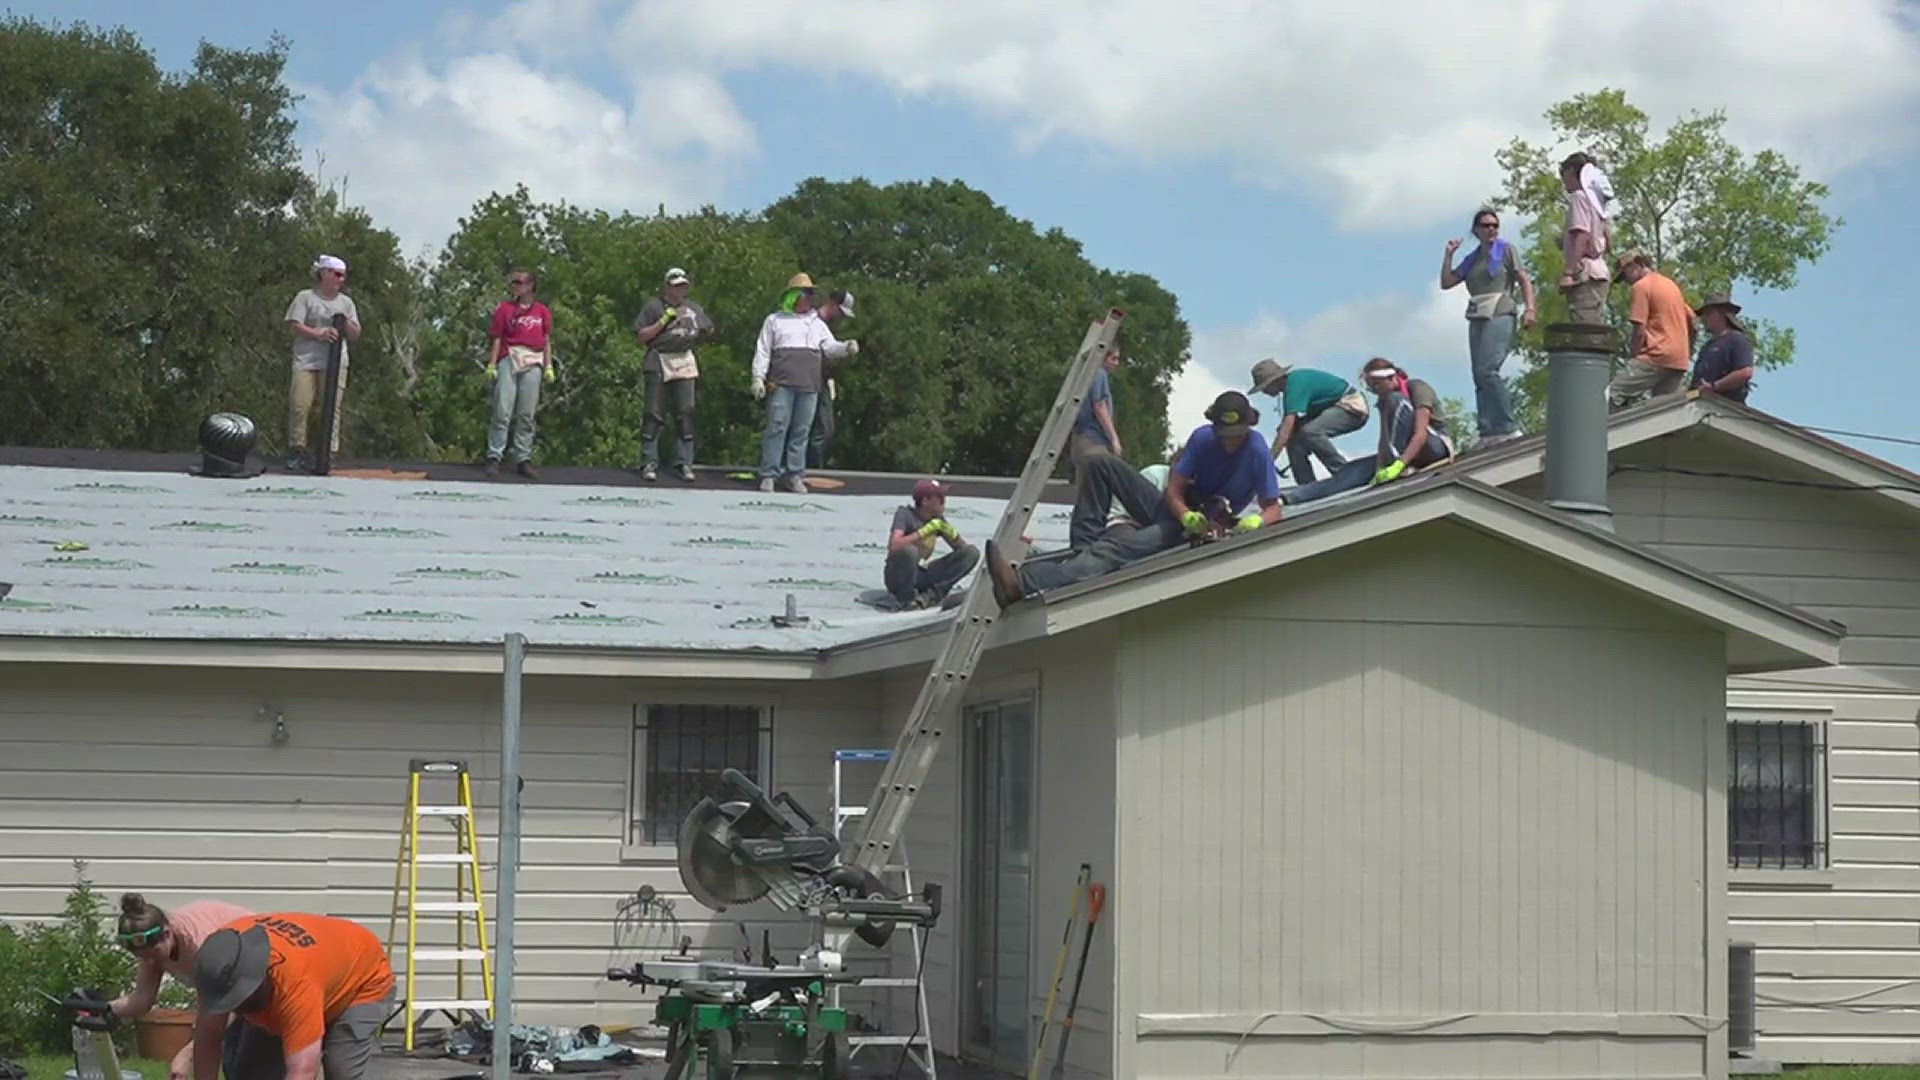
(420, 142)
(1392, 108)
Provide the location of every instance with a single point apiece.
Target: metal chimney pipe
(1579, 365)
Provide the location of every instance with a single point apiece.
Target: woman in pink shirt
(166, 943)
(519, 355)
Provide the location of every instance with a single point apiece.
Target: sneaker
(923, 600)
(650, 472)
(527, 470)
(686, 473)
(493, 467)
(766, 485)
(297, 463)
(796, 485)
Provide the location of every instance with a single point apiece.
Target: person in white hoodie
(789, 374)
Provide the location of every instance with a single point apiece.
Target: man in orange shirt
(312, 991)
(1661, 351)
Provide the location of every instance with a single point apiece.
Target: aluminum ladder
(467, 904)
(918, 1048)
(912, 757)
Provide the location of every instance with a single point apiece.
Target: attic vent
(1740, 997)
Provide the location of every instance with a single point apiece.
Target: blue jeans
(516, 394)
(1488, 343)
(783, 446)
(1396, 415)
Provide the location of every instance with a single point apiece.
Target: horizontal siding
(1336, 819)
(184, 795)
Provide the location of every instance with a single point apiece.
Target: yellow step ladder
(466, 903)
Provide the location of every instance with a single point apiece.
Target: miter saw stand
(768, 1019)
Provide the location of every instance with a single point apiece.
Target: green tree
(1713, 217)
(967, 319)
(153, 228)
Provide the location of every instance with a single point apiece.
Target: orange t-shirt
(1666, 322)
(320, 967)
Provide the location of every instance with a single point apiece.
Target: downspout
(1579, 366)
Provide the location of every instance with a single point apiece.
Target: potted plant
(168, 1026)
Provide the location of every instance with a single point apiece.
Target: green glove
(947, 530)
(493, 371)
(549, 375)
(667, 316)
(1248, 523)
(930, 529)
(1390, 473)
(1194, 522)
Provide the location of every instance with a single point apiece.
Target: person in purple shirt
(1225, 470)
(1725, 364)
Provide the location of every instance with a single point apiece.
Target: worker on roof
(1225, 468)
(1660, 350)
(1725, 367)
(1094, 432)
(838, 305)
(312, 990)
(1413, 435)
(165, 943)
(914, 581)
(669, 326)
(519, 356)
(1316, 407)
(310, 317)
(1492, 272)
(788, 374)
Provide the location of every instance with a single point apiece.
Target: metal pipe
(508, 857)
(1579, 366)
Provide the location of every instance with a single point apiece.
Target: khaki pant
(1587, 302)
(1642, 378)
(304, 398)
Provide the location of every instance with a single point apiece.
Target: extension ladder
(917, 1048)
(465, 861)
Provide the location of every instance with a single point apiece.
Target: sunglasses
(1486, 224)
(142, 938)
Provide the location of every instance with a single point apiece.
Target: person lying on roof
(1225, 468)
(1413, 435)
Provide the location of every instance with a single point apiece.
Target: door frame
(1028, 693)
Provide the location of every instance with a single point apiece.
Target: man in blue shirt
(1093, 430)
(1725, 366)
(1225, 468)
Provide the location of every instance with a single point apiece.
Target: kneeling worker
(312, 991)
(1225, 462)
(913, 581)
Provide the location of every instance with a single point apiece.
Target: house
(1824, 865)
(1434, 775)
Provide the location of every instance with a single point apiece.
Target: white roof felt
(345, 559)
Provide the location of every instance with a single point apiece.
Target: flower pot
(161, 1033)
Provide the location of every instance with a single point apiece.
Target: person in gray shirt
(669, 326)
(310, 316)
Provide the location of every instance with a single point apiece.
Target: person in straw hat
(1725, 366)
(789, 373)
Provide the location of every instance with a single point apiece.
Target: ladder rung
(442, 811)
(853, 811)
(886, 1040)
(430, 1006)
(444, 858)
(449, 954)
(447, 905)
(888, 981)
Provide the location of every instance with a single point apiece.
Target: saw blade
(707, 866)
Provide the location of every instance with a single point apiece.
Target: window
(1775, 794)
(677, 755)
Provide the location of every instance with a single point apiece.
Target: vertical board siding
(1428, 785)
(1848, 557)
(169, 785)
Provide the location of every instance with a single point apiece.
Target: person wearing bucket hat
(1316, 407)
(669, 326)
(1223, 470)
(311, 990)
(1725, 367)
(789, 372)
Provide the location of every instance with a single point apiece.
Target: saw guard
(707, 866)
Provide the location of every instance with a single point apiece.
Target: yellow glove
(1390, 472)
(667, 316)
(1248, 523)
(549, 375)
(1194, 522)
(493, 371)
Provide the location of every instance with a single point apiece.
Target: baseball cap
(845, 300)
(677, 276)
(230, 967)
(1232, 410)
(927, 489)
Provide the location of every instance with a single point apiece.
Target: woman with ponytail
(1413, 434)
(165, 943)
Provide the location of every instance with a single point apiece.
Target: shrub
(45, 960)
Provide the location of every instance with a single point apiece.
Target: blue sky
(1290, 172)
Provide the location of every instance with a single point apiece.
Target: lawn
(55, 1066)
(1849, 1072)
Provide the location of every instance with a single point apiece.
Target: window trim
(635, 850)
(1821, 875)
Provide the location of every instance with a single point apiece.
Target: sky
(1290, 170)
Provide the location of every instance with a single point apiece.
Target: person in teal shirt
(1316, 407)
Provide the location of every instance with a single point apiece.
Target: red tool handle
(1096, 899)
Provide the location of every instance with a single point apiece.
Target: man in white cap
(669, 326)
(839, 305)
(311, 317)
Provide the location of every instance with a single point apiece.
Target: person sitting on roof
(913, 581)
(1413, 435)
(1225, 467)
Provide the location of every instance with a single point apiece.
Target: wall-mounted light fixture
(280, 734)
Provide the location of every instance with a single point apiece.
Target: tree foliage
(1714, 218)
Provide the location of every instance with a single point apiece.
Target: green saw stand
(733, 1021)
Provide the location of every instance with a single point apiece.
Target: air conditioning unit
(1740, 997)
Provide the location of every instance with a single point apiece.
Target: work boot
(526, 469)
(493, 467)
(796, 485)
(686, 473)
(1006, 580)
(766, 484)
(650, 472)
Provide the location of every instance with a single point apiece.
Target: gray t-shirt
(310, 309)
(690, 326)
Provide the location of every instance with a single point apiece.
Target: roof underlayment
(285, 558)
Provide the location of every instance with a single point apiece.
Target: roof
(282, 559)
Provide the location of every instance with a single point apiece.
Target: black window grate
(679, 752)
(1775, 772)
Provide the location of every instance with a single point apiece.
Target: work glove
(1390, 473)
(1248, 523)
(853, 348)
(549, 376)
(1194, 522)
(929, 530)
(491, 372)
(947, 530)
(669, 315)
(759, 388)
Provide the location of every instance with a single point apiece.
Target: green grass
(55, 1066)
(1845, 1072)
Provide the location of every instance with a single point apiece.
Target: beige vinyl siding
(1424, 807)
(1853, 558)
(169, 784)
